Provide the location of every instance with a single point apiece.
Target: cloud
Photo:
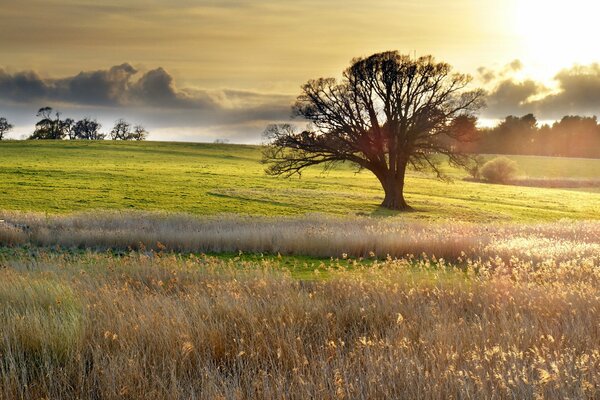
(150, 97)
(22, 86)
(115, 86)
(515, 65)
(153, 98)
(486, 74)
(103, 87)
(510, 97)
(577, 91)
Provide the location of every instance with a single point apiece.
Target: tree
(88, 129)
(5, 127)
(388, 112)
(121, 130)
(139, 133)
(516, 135)
(576, 136)
(68, 125)
(51, 127)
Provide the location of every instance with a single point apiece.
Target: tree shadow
(383, 212)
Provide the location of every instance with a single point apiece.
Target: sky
(201, 70)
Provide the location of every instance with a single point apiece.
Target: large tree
(388, 112)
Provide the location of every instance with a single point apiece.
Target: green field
(60, 177)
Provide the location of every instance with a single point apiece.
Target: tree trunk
(394, 195)
(392, 181)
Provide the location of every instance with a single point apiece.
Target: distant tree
(576, 136)
(121, 130)
(51, 126)
(139, 133)
(87, 129)
(513, 135)
(389, 111)
(68, 128)
(221, 141)
(5, 127)
(124, 131)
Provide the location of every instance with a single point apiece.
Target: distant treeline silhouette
(572, 136)
(52, 127)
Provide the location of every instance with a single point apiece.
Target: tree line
(52, 126)
(572, 136)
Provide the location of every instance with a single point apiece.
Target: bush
(499, 170)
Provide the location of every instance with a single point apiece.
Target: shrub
(499, 170)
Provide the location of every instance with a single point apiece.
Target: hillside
(59, 177)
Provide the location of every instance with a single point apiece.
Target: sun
(557, 34)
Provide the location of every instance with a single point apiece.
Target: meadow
(208, 179)
(181, 271)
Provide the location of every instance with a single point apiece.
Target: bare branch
(388, 111)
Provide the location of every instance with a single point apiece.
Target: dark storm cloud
(22, 86)
(103, 87)
(151, 97)
(123, 86)
(116, 86)
(577, 92)
(510, 97)
(155, 87)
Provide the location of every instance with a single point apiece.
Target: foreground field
(162, 326)
(61, 177)
(113, 306)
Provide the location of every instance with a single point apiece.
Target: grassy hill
(59, 177)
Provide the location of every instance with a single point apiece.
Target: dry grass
(500, 311)
(169, 327)
(317, 236)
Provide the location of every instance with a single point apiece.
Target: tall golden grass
(317, 235)
(163, 326)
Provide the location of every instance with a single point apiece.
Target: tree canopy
(388, 111)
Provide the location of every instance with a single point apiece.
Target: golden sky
(215, 48)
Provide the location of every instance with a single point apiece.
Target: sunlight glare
(558, 34)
